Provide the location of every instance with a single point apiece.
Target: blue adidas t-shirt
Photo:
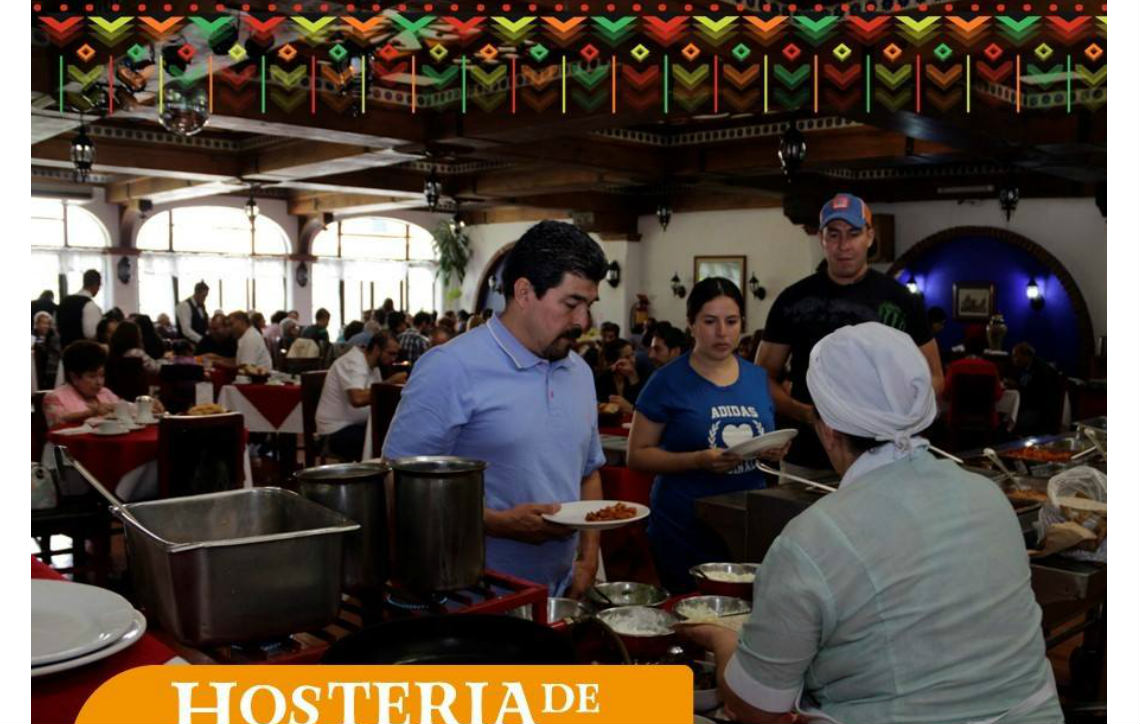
(698, 414)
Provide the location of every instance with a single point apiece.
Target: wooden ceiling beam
(305, 159)
(115, 156)
(344, 203)
(166, 190)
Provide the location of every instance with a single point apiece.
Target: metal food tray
(242, 565)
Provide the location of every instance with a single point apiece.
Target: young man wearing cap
(845, 291)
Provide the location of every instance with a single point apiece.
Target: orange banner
(394, 695)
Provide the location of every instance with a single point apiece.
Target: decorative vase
(995, 332)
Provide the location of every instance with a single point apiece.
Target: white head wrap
(871, 380)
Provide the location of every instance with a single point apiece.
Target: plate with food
(754, 446)
(207, 408)
(597, 514)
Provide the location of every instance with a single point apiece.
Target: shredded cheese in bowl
(638, 621)
(726, 577)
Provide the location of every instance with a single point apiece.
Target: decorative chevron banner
(410, 57)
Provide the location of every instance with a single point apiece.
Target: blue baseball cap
(848, 208)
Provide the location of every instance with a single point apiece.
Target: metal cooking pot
(355, 490)
(439, 522)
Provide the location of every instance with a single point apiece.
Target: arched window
(66, 241)
(245, 269)
(365, 260)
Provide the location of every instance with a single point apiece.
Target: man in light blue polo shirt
(512, 393)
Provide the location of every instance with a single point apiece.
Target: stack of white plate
(74, 624)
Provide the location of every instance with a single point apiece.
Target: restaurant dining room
(762, 340)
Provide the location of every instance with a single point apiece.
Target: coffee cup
(109, 427)
(145, 407)
(123, 411)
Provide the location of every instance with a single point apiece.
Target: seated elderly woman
(902, 597)
(83, 395)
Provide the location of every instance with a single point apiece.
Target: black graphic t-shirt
(814, 307)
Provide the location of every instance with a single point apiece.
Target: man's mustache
(573, 333)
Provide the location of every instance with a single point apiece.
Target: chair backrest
(385, 400)
(301, 365)
(39, 425)
(312, 384)
(200, 454)
(972, 400)
(176, 385)
(127, 378)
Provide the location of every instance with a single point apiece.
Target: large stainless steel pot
(439, 522)
(357, 491)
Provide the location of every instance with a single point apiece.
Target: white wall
(775, 250)
(1070, 229)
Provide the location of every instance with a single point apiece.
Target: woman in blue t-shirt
(690, 410)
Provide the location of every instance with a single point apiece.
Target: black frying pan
(454, 639)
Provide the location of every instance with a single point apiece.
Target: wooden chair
(385, 399)
(312, 383)
(301, 365)
(127, 378)
(39, 425)
(176, 385)
(82, 518)
(200, 454)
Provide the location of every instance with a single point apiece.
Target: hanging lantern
(792, 150)
(251, 209)
(433, 189)
(664, 214)
(184, 112)
(82, 154)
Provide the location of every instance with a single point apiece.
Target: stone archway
(1034, 250)
(481, 290)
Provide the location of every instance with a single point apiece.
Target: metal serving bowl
(626, 593)
(736, 589)
(566, 609)
(720, 606)
(642, 646)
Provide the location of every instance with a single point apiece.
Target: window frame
(406, 261)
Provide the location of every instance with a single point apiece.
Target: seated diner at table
(905, 595)
(342, 413)
(218, 342)
(83, 395)
(251, 348)
(619, 383)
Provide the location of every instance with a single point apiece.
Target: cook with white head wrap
(871, 381)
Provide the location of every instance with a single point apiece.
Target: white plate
(573, 515)
(103, 433)
(128, 639)
(73, 619)
(751, 448)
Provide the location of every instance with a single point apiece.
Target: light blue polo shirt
(484, 395)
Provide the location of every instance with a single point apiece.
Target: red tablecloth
(275, 402)
(111, 457)
(221, 376)
(59, 697)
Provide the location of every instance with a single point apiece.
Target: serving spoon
(798, 479)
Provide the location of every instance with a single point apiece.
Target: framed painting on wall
(733, 268)
(973, 301)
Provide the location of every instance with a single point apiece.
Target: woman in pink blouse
(83, 395)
